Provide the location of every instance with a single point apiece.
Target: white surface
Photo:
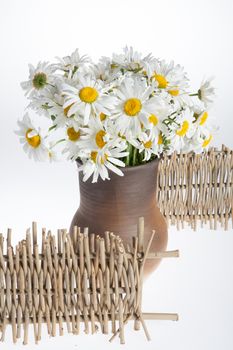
(198, 35)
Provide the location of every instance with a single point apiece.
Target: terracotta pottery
(115, 205)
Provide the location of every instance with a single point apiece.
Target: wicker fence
(197, 188)
(82, 281)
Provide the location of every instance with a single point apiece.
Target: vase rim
(133, 167)
(140, 166)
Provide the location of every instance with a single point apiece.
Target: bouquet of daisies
(122, 111)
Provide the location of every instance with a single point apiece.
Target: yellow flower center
(99, 138)
(94, 156)
(183, 130)
(207, 141)
(160, 139)
(102, 116)
(162, 81)
(203, 118)
(66, 110)
(113, 66)
(72, 134)
(33, 141)
(147, 144)
(104, 158)
(39, 80)
(153, 119)
(174, 92)
(88, 94)
(132, 107)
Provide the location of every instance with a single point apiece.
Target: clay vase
(115, 205)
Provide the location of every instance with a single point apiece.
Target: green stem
(173, 121)
(140, 157)
(135, 152)
(59, 141)
(172, 114)
(169, 121)
(196, 94)
(129, 149)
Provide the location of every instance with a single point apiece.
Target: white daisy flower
(134, 102)
(99, 150)
(51, 105)
(131, 60)
(202, 118)
(206, 93)
(200, 140)
(106, 72)
(150, 146)
(203, 132)
(202, 121)
(73, 136)
(43, 104)
(102, 70)
(70, 64)
(170, 77)
(154, 121)
(88, 98)
(181, 130)
(71, 149)
(31, 139)
(180, 100)
(59, 114)
(41, 78)
(98, 137)
(98, 163)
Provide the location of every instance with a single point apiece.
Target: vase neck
(121, 194)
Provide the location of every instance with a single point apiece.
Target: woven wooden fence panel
(81, 281)
(197, 188)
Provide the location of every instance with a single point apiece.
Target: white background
(196, 34)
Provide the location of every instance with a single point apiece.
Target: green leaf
(52, 127)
